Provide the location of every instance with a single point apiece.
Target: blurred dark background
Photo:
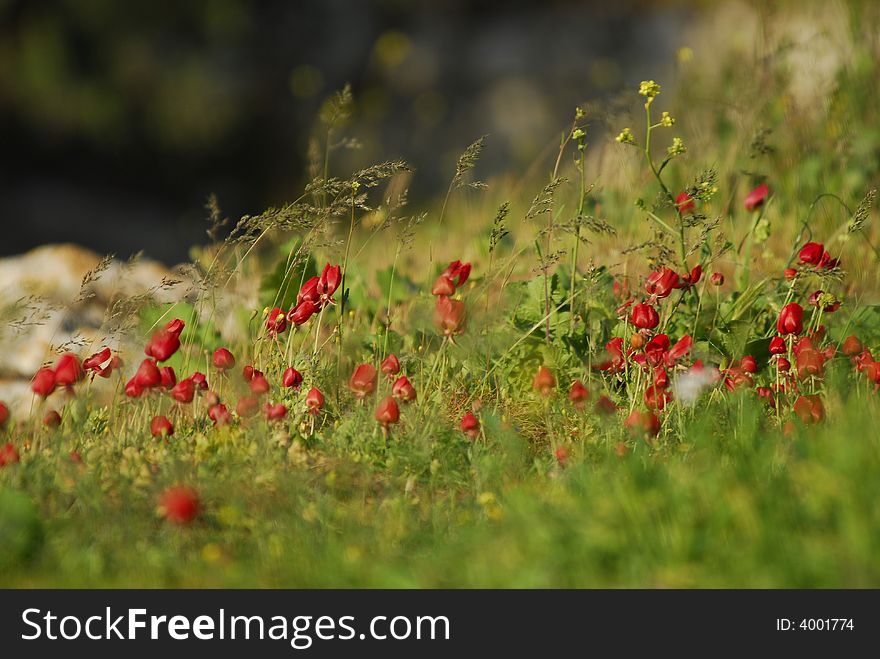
(118, 119)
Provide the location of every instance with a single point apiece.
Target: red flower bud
(276, 321)
(219, 414)
(811, 253)
(4, 414)
(749, 364)
(301, 313)
(259, 383)
(851, 346)
(387, 412)
(68, 370)
(8, 455)
(717, 279)
(169, 377)
(470, 425)
(183, 391)
(561, 454)
(644, 423)
(791, 319)
(661, 283)
(43, 383)
(179, 504)
(403, 389)
(755, 199)
(160, 426)
(644, 316)
(390, 365)
(685, 203)
(291, 378)
(363, 381)
(578, 394)
(449, 316)
(544, 381)
(809, 409)
(314, 400)
(223, 359)
(148, 375)
(274, 412)
(163, 345)
(777, 345)
(52, 419)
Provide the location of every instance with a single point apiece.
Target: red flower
(148, 375)
(783, 365)
(314, 400)
(259, 383)
(561, 454)
(301, 313)
(755, 199)
(363, 381)
(4, 414)
(777, 345)
(791, 319)
(291, 378)
(403, 389)
(679, 350)
(169, 378)
(102, 363)
(183, 391)
(165, 342)
(328, 283)
(449, 316)
(276, 321)
(578, 394)
(605, 405)
(810, 363)
(275, 412)
(749, 364)
(68, 370)
(470, 425)
(789, 273)
(851, 346)
(809, 409)
(179, 504)
(544, 381)
(390, 365)
(827, 262)
(454, 276)
(8, 454)
(247, 406)
(642, 423)
(644, 316)
(661, 283)
(133, 389)
(160, 426)
(52, 419)
(443, 287)
(614, 359)
(309, 291)
(693, 277)
(656, 398)
(223, 359)
(767, 394)
(43, 383)
(387, 412)
(685, 203)
(717, 279)
(828, 303)
(811, 253)
(219, 414)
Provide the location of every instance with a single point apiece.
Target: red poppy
(693, 277)
(470, 425)
(275, 412)
(390, 366)
(259, 383)
(223, 359)
(755, 199)
(642, 423)
(449, 316)
(614, 359)
(52, 419)
(562, 455)
(578, 394)
(164, 343)
(183, 391)
(789, 273)
(148, 375)
(309, 291)
(403, 389)
(851, 346)
(644, 316)
(827, 302)
(247, 406)
(68, 370)
(443, 286)
(656, 398)
(43, 383)
(363, 381)
(8, 454)
(766, 394)
(783, 365)
(276, 321)
(662, 282)
(809, 409)
(605, 405)
(329, 282)
(717, 279)
(169, 378)
(387, 412)
(301, 313)
(749, 364)
(811, 253)
(179, 504)
(4, 414)
(544, 381)
(777, 345)
(791, 319)
(133, 389)
(101, 363)
(684, 202)
(810, 363)
(160, 426)
(219, 414)
(314, 400)
(291, 378)
(458, 272)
